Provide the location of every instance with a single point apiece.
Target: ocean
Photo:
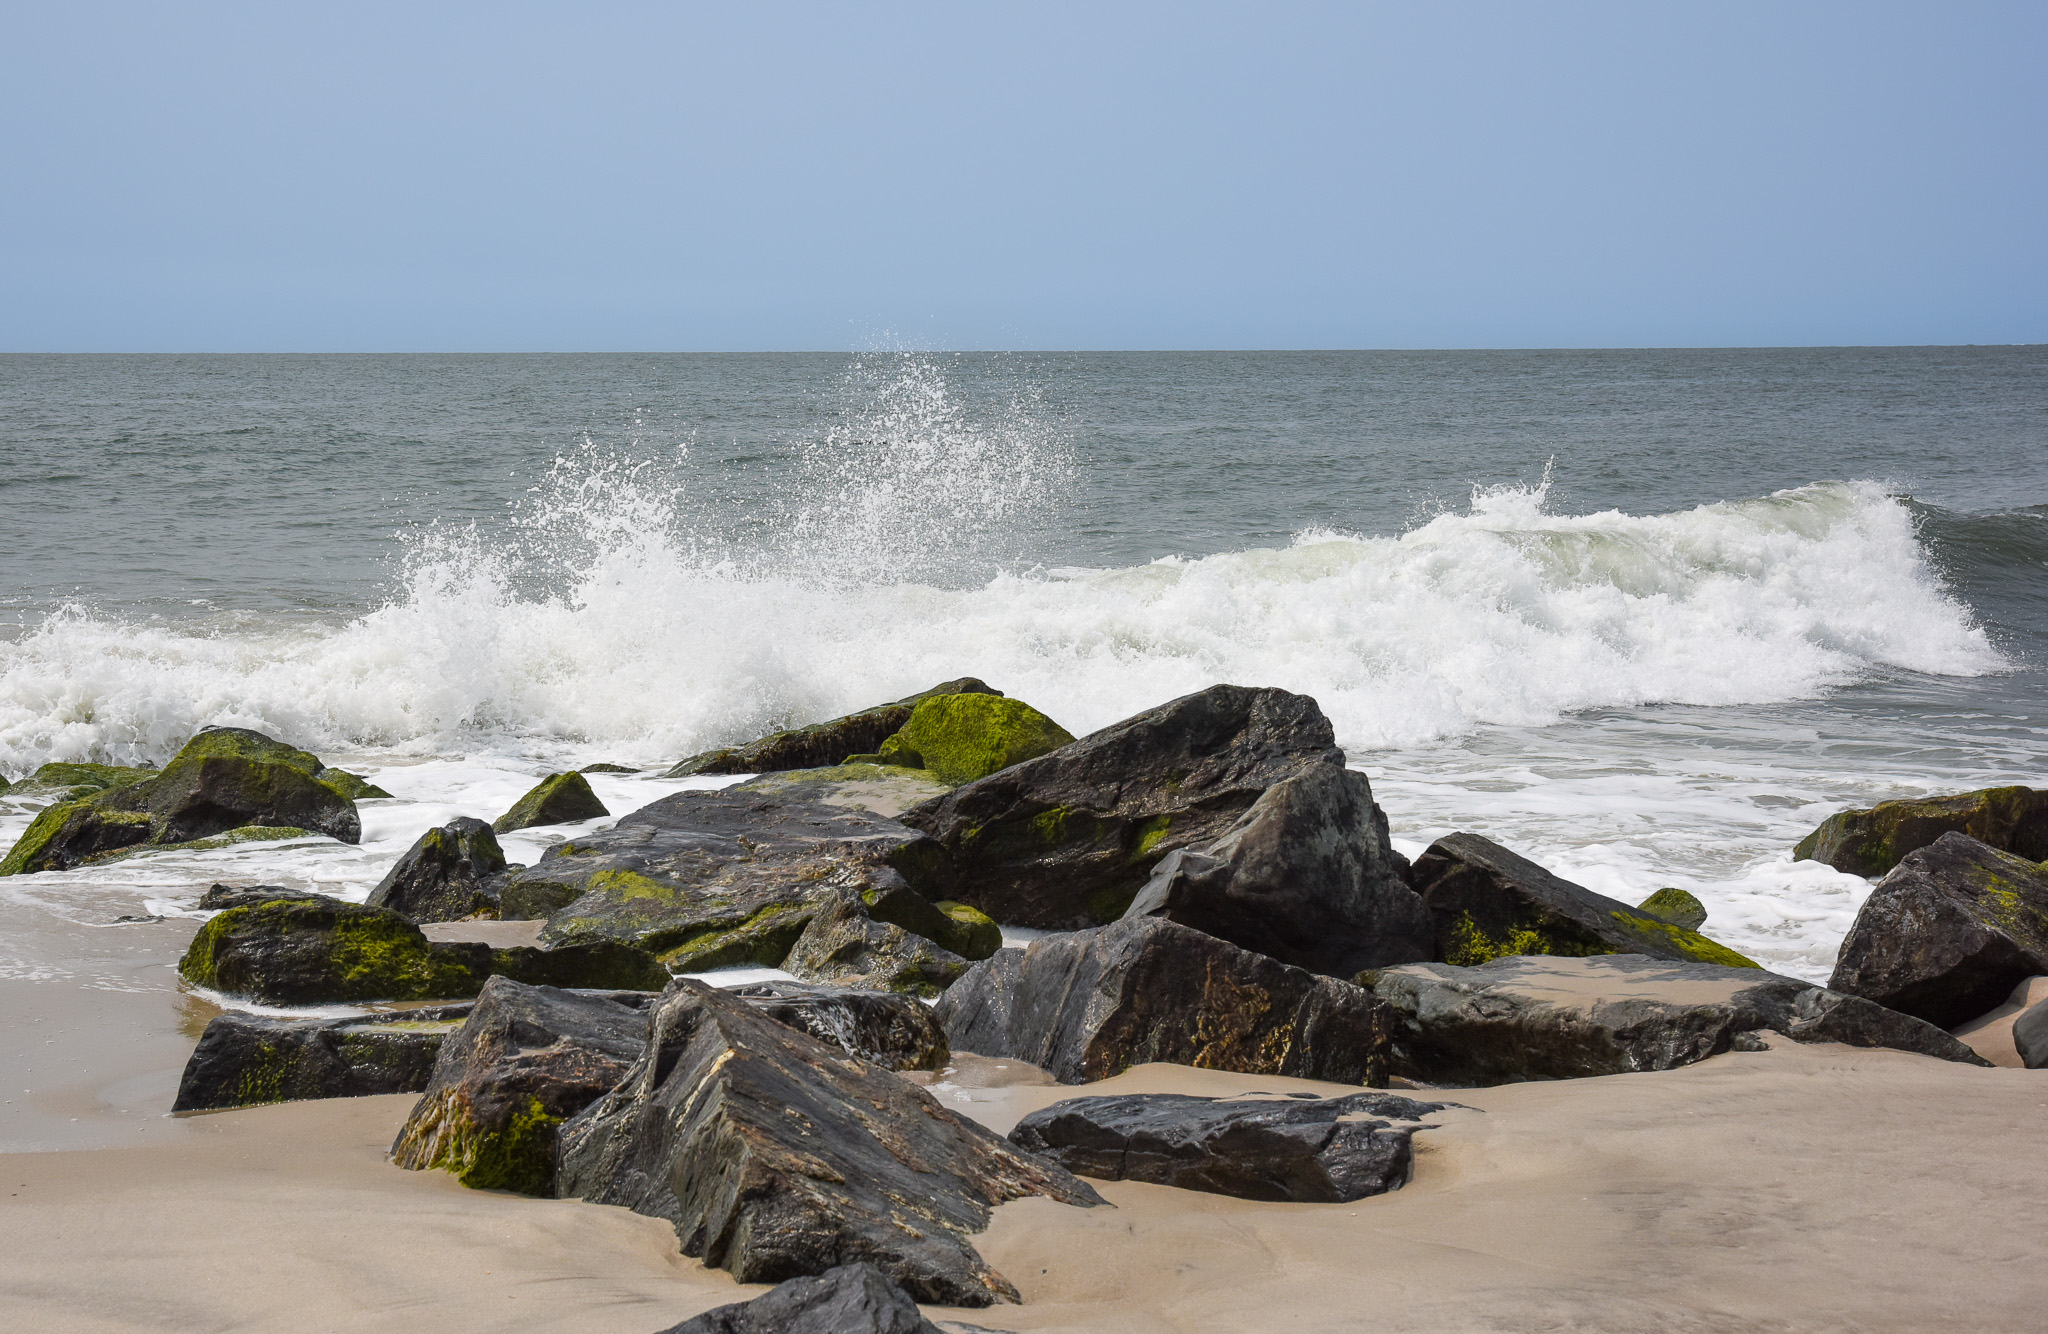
(1644, 616)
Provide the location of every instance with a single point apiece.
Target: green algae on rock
(1676, 907)
(821, 745)
(959, 738)
(449, 873)
(243, 1060)
(70, 782)
(843, 946)
(1871, 842)
(556, 799)
(255, 833)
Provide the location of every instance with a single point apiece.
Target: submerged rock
(843, 946)
(243, 1060)
(528, 1059)
(1313, 1150)
(1676, 907)
(821, 745)
(847, 1299)
(959, 738)
(449, 874)
(1871, 842)
(62, 782)
(883, 1027)
(1066, 840)
(1306, 875)
(224, 779)
(1090, 1004)
(556, 799)
(1490, 903)
(776, 1156)
(706, 879)
(1949, 932)
(311, 951)
(1549, 1017)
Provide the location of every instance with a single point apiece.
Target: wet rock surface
(1490, 903)
(1312, 1150)
(243, 1060)
(776, 1155)
(843, 946)
(556, 799)
(1549, 1017)
(1066, 840)
(888, 1029)
(848, 1299)
(1306, 875)
(1949, 932)
(1872, 841)
(1090, 1004)
(219, 898)
(450, 873)
(2030, 1036)
(822, 745)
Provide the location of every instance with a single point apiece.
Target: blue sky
(506, 177)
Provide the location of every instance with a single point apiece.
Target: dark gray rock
(1872, 841)
(243, 1059)
(1067, 840)
(220, 897)
(1306, 875)
(2030, 1035)
(822, 745)
(885, 1028)
(1948, 933)
(556, 799)
(707, 879)
(842, 946)
(1490, 903)
(776, 1156)
(1315, 1150)
(1547, 1017)
(528, 1059)
(848, 1299)
(1090, 1004)
(449, 874)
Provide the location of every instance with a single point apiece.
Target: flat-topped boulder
(1307, 875)
(885, 1028)
(243, 1060)
(224, 779)
(1300, 1148)
(556, 799)
(219, 897)
(1489, 903)
(448, 874)
(1550, 1017)
(706, 879)
(1067, 840)
(1873, 840)
(1949, 932)
(1087, 1005)
(847, 1299)
(884, 789)
(776, 1155)
(821, 745)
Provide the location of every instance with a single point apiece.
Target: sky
(678, 177)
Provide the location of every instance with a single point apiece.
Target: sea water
(1645, 617)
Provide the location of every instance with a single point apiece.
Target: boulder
(61, 782)
(884, 789)
(881, 1027)
(2030, 1036)
(224, 779)
(528, 1059)
(821, 744)
(556, 799)
(959, 738)
(1871, 842)
(847, 1299)
(449, 874)
(222, 897)
(706, 879)
(1676, 907)
(316, 950)
(1306, 875)
(1301, 1148)
(1549, 1017)
(1066, 840)
(776, 1155)
(1090, 1004)
(243, 1059)
(1489, 903)
(1949, 932)
(843, 946)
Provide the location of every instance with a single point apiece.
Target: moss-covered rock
(60, 781)
(762, 939)
(255, 833)
(843, 946)
(821, 745)
(556, 799)
(1871, 842)
(976, 935)
(64, 835)
(449, 873)
(1676, 907)
(959, 738)
(243, 1060)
